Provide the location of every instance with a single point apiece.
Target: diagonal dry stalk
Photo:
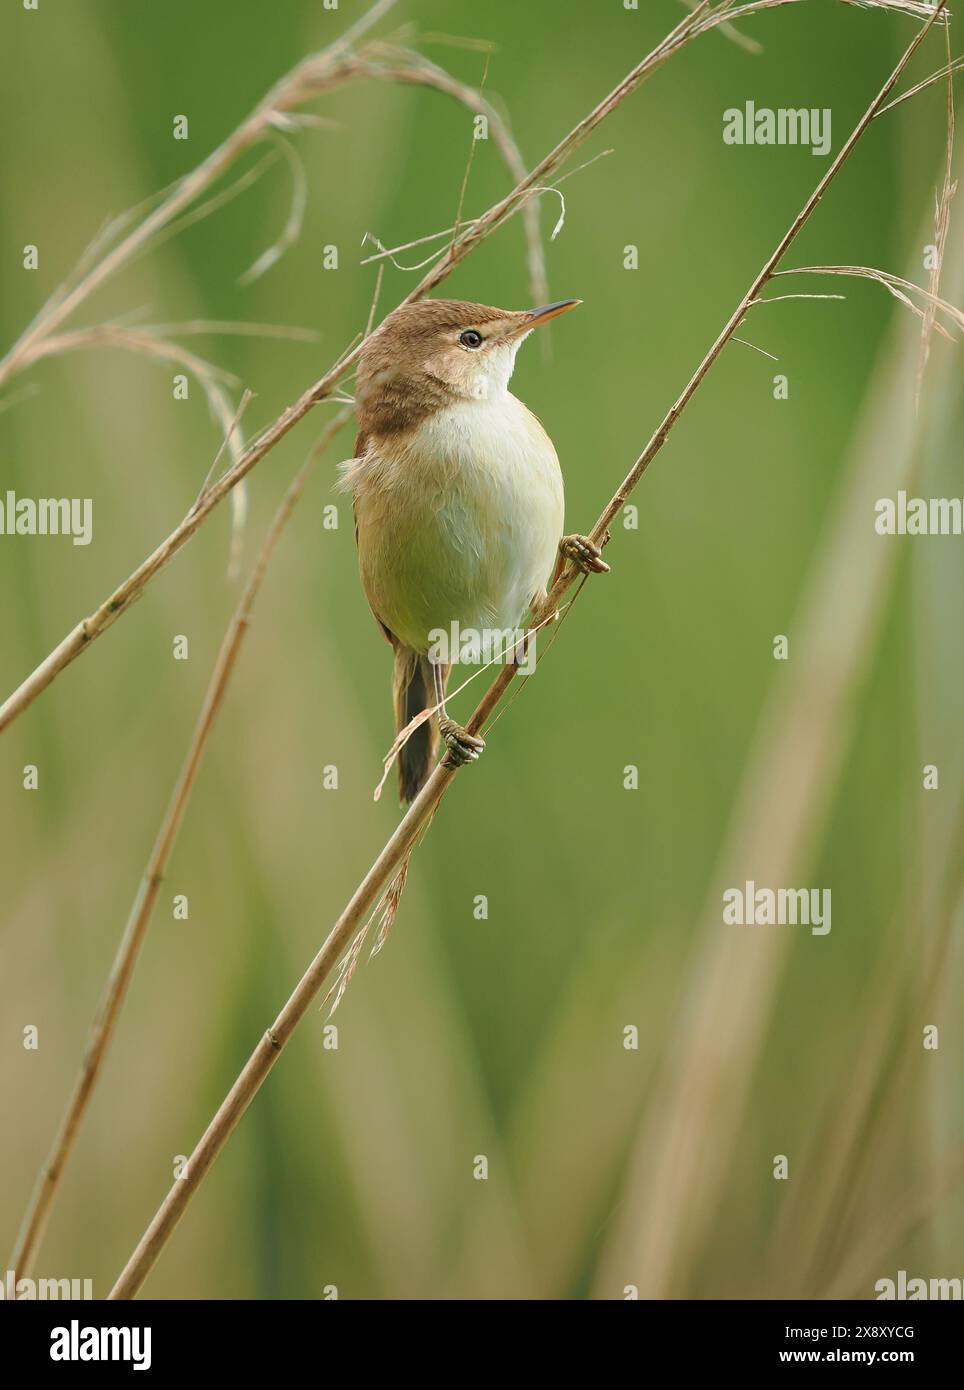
(396, 852)
(314, 75)
(125, 960)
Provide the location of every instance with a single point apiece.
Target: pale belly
(459, 526)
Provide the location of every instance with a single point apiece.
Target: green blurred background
(608, 1167)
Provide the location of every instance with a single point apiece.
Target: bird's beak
(547, 312)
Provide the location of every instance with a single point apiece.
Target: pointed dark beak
(548, 311)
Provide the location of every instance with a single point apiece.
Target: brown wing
(361, 444)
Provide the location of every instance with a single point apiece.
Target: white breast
(506, 495)
(460, 521)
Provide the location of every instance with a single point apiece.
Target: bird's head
(437, 352)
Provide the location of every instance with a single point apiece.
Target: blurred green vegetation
(502, 1037)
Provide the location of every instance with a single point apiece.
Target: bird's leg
(584, 554)
(463, 747)
(524, 650)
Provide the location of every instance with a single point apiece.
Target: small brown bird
(458, 500)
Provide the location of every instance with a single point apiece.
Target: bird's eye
(470, 338)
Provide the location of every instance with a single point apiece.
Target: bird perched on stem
(458, 500)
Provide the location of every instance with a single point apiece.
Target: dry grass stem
(942, 223)
(948, 71)
(226, 443)
(896, 285)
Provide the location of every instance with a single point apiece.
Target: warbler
(458, 501)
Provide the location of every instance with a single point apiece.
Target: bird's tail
(412, 690)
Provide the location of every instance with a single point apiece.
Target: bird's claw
(463, 747)
(584, 554)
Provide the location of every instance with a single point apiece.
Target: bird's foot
(463, 747)
(586, 556)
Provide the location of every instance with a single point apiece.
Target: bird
(458, 502)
